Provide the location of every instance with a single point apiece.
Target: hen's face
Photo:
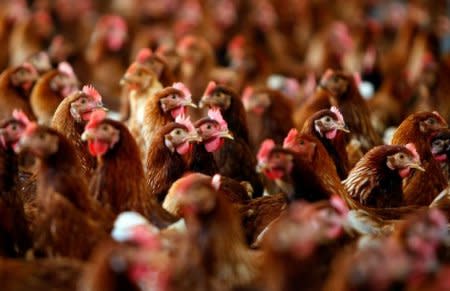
(38, 142)
(137, 78)
(175, 103)
(101, 138)
(201, 199)
(335, 84)
(10, 133)
(304, 147)
(24, 77)
(180, 140)
(432, 123)
(403, 162)
(82, 107)
(329, 126)
(256, 103)
(440, 146)
(212, 135)
(425, 235)
(279, 165)
(217, 99)
(116, 33)
(64, 84)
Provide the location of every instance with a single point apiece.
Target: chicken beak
(343, 127)
(87, 135)
(194, 137)
(190, 104)
(21, 145)
(416, 166)
(260, 167)
(124, 80)
(226, 134)
(201, 104)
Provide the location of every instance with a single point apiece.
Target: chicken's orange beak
(416, 166)
(87, 135)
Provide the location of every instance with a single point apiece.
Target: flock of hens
(247, 145)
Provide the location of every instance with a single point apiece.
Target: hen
(215, 235)
(213, 131)
(440, 148)
(139, 83)
(301, 244)
(326, 125)
(422, 187)
(235, 159)
(162, 108)
(15, 87)
(119, 180)
(169, 155)
(268, 115)
(50, 90)
(62, 198)
(106, 56)
(376, 180)
(70, 117)
(15, 237)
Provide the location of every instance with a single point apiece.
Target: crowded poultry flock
(224, 145)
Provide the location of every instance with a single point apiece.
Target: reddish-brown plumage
(119, 181)
(274, 122)
(64, 123)
(41, 274)
(372, 183)
(11, 97)
(422, 187)
(43, 99)
(163, 167)
(336, 147)
(64, 204)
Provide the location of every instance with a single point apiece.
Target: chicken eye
(177, 132)
(327, 119)
(14, 127)
(431, 121)
(105, 128)
(302, 142)
(174, 96)
(401, 156)
(208, 126)
(83, 100)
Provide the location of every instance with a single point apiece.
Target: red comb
(210, 88)
(357, 77)
(412, 148)
(265, 149)
(247, 94)
(338, 114)
(328, 73)
(181, 87)
(289, 140)
(91, 91)
(143, 55)
(186, 42)
(31, 128)
(236, 43)
(186, 121)
(339, 204)
(66, 68)
(20, 116)
(96, 117)
(215, 114)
